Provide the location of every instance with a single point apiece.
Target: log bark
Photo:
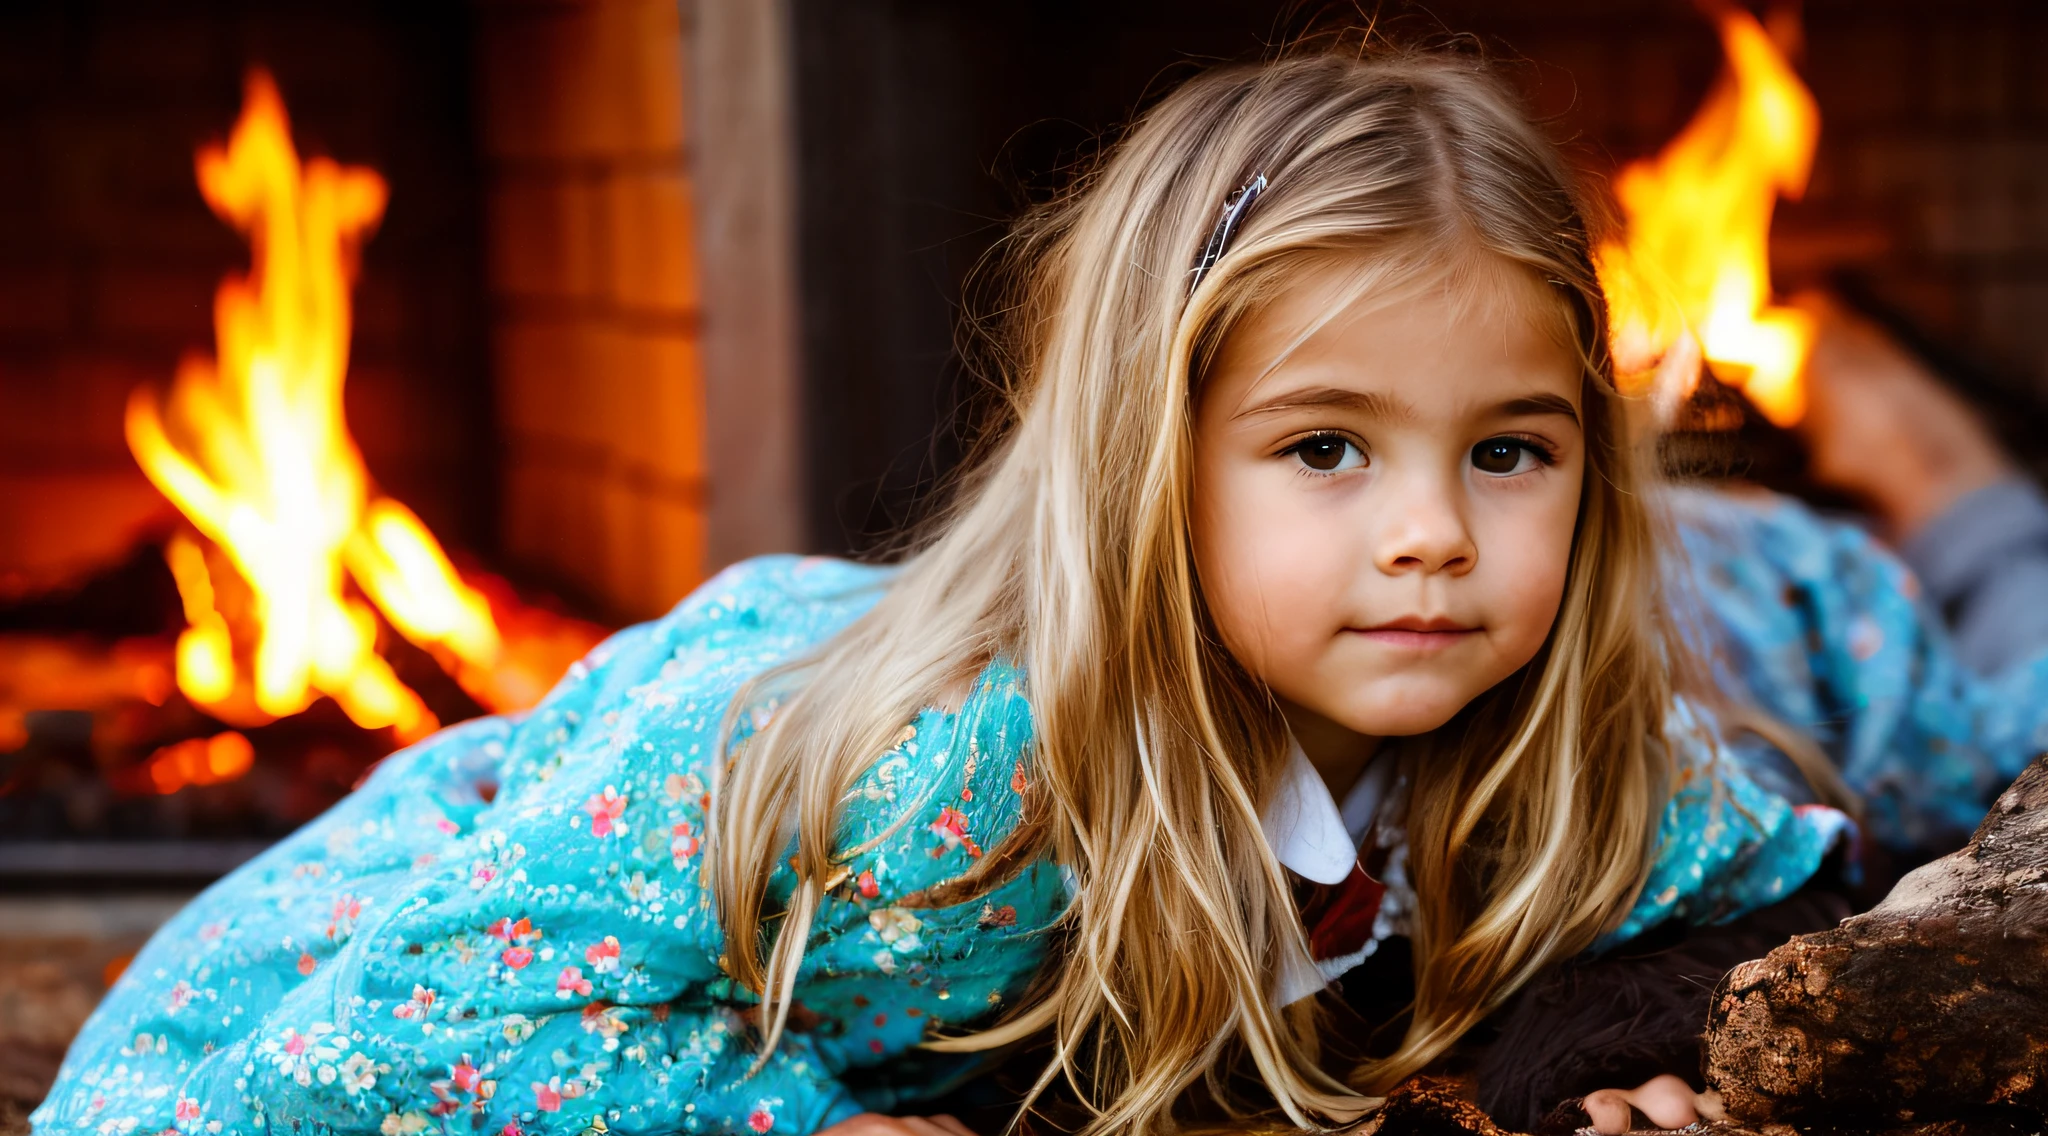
(1932, 1005)
(1430, 1106)
(1437, 1106)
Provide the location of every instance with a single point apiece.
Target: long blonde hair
(1067, 550)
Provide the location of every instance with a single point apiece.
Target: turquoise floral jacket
(505, 929)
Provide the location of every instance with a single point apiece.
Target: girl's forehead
(1465, 287)
(1322, 302)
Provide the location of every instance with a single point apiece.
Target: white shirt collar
(1316, 838)
(1309, 832)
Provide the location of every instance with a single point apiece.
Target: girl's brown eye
(1328, 453)
(1501, 456)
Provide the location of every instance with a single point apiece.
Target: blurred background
(654, 286)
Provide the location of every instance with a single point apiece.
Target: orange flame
(200, 761)
(254, 450)
(1696, 258)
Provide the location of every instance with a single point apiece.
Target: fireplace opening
(348, 389)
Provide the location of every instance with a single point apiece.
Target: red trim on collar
(1340, 918)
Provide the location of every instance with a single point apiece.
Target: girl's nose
(1426, 533)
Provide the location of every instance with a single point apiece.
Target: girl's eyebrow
(1545, 403)
(1387, 408)
(1372, 404)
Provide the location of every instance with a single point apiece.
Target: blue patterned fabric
(1824, 628)
(1727, 845)
(506, 930)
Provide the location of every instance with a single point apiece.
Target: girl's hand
(1668, 1101)
(875, 1124)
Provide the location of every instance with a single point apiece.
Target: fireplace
(518, 316)
(522, 382)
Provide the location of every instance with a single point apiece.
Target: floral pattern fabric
(506, 930)
(1828, 631)
(1814, 622)
(1727, 844)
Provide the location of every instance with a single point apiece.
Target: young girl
(1310, 599)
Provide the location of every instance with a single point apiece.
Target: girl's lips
(1417, 634)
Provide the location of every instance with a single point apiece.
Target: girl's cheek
(1268, 571)
(1538, 548)
(1308, 563)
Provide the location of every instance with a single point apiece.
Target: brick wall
(109, 258)
(1935, 134)
(593, 296)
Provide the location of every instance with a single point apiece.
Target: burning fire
(200, 761)
(1696, 258)
(252, 447)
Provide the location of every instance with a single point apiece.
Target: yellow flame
(1696, 256)
(254, 450)
(398, 562)
(206, 657)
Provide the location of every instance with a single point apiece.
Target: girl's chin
(1400, 717)
(1397, 705)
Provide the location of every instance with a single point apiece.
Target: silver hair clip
(1234, 208)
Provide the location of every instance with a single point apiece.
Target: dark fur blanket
(1617, 1020)
(1591, 1023)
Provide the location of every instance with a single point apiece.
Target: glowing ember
(200, 761)
(40, 672)
(1696, 257)
(254, 450)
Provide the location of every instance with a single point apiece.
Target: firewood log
(1436, 1106)
(1932, 1005)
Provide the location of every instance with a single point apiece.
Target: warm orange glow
(115, 968)
(41, 672)
(1696, 256)
(200, 761)
(253, 448)
(397, 561)
(206, 659)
